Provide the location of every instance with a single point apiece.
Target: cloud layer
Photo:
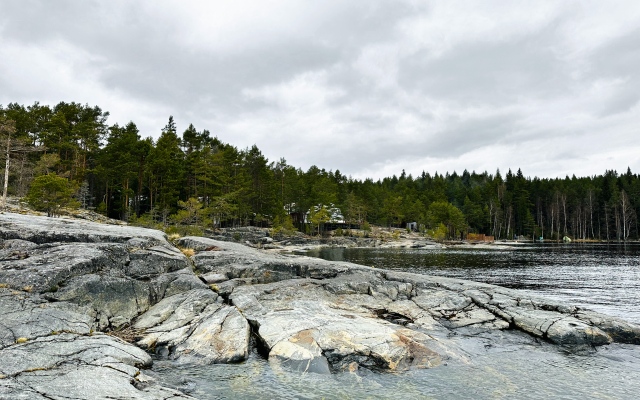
(366, 87)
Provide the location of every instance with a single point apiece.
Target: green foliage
(366, 226)
(441, 212)
(392, 208)
(318, 216)
(50, 193)
(184, 230)
(146, 220)
(191, 213)
(102, 208)
(439, 232)
(143, 181)
(283, 225)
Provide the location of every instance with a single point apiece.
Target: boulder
(194, 327)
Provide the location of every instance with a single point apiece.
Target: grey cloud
(618, 59)
(483, 72)
(524, 81)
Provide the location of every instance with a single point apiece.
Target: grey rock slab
(571, 331)
(88, 383)
(17, 244)
(168, 323)
(213, 277)
(48, 352)
(349, 335)
(300, 353)
(152, 262)
(177, 310)
(24, 316)
(119, 300)
(78, 367)
(239, 261)
(619, 329)
(196, 329)
(40, 229)
(221, 335)
(532, 314)
(47, 267)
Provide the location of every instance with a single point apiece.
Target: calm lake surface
(604, 278)
(495, 365)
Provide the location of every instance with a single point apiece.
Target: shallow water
(496, 365)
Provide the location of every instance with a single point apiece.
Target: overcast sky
(367, 87)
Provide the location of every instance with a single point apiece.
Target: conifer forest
(69, 155)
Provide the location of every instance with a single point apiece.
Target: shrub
(50, 193)
(439, 232)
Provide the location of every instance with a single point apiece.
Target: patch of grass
(188, 252)
(173, 236)
(4, 285)
(27, 289)
(21, 340)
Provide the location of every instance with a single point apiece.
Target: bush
(438, 233)
(283, 226)
(145, 220)
(50, 193)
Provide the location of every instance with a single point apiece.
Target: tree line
(193, 178)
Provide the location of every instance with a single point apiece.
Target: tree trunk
(6, 172)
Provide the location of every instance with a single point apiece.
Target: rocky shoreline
(71, 289)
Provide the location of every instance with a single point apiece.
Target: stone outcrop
(65, 283)
(61, 283)
(194, 327)
(317, 315)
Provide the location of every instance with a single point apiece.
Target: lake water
(497, 365)
(605, 278)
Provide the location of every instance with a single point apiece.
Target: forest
(69, 155)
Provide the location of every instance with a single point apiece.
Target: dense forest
(192, 178)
